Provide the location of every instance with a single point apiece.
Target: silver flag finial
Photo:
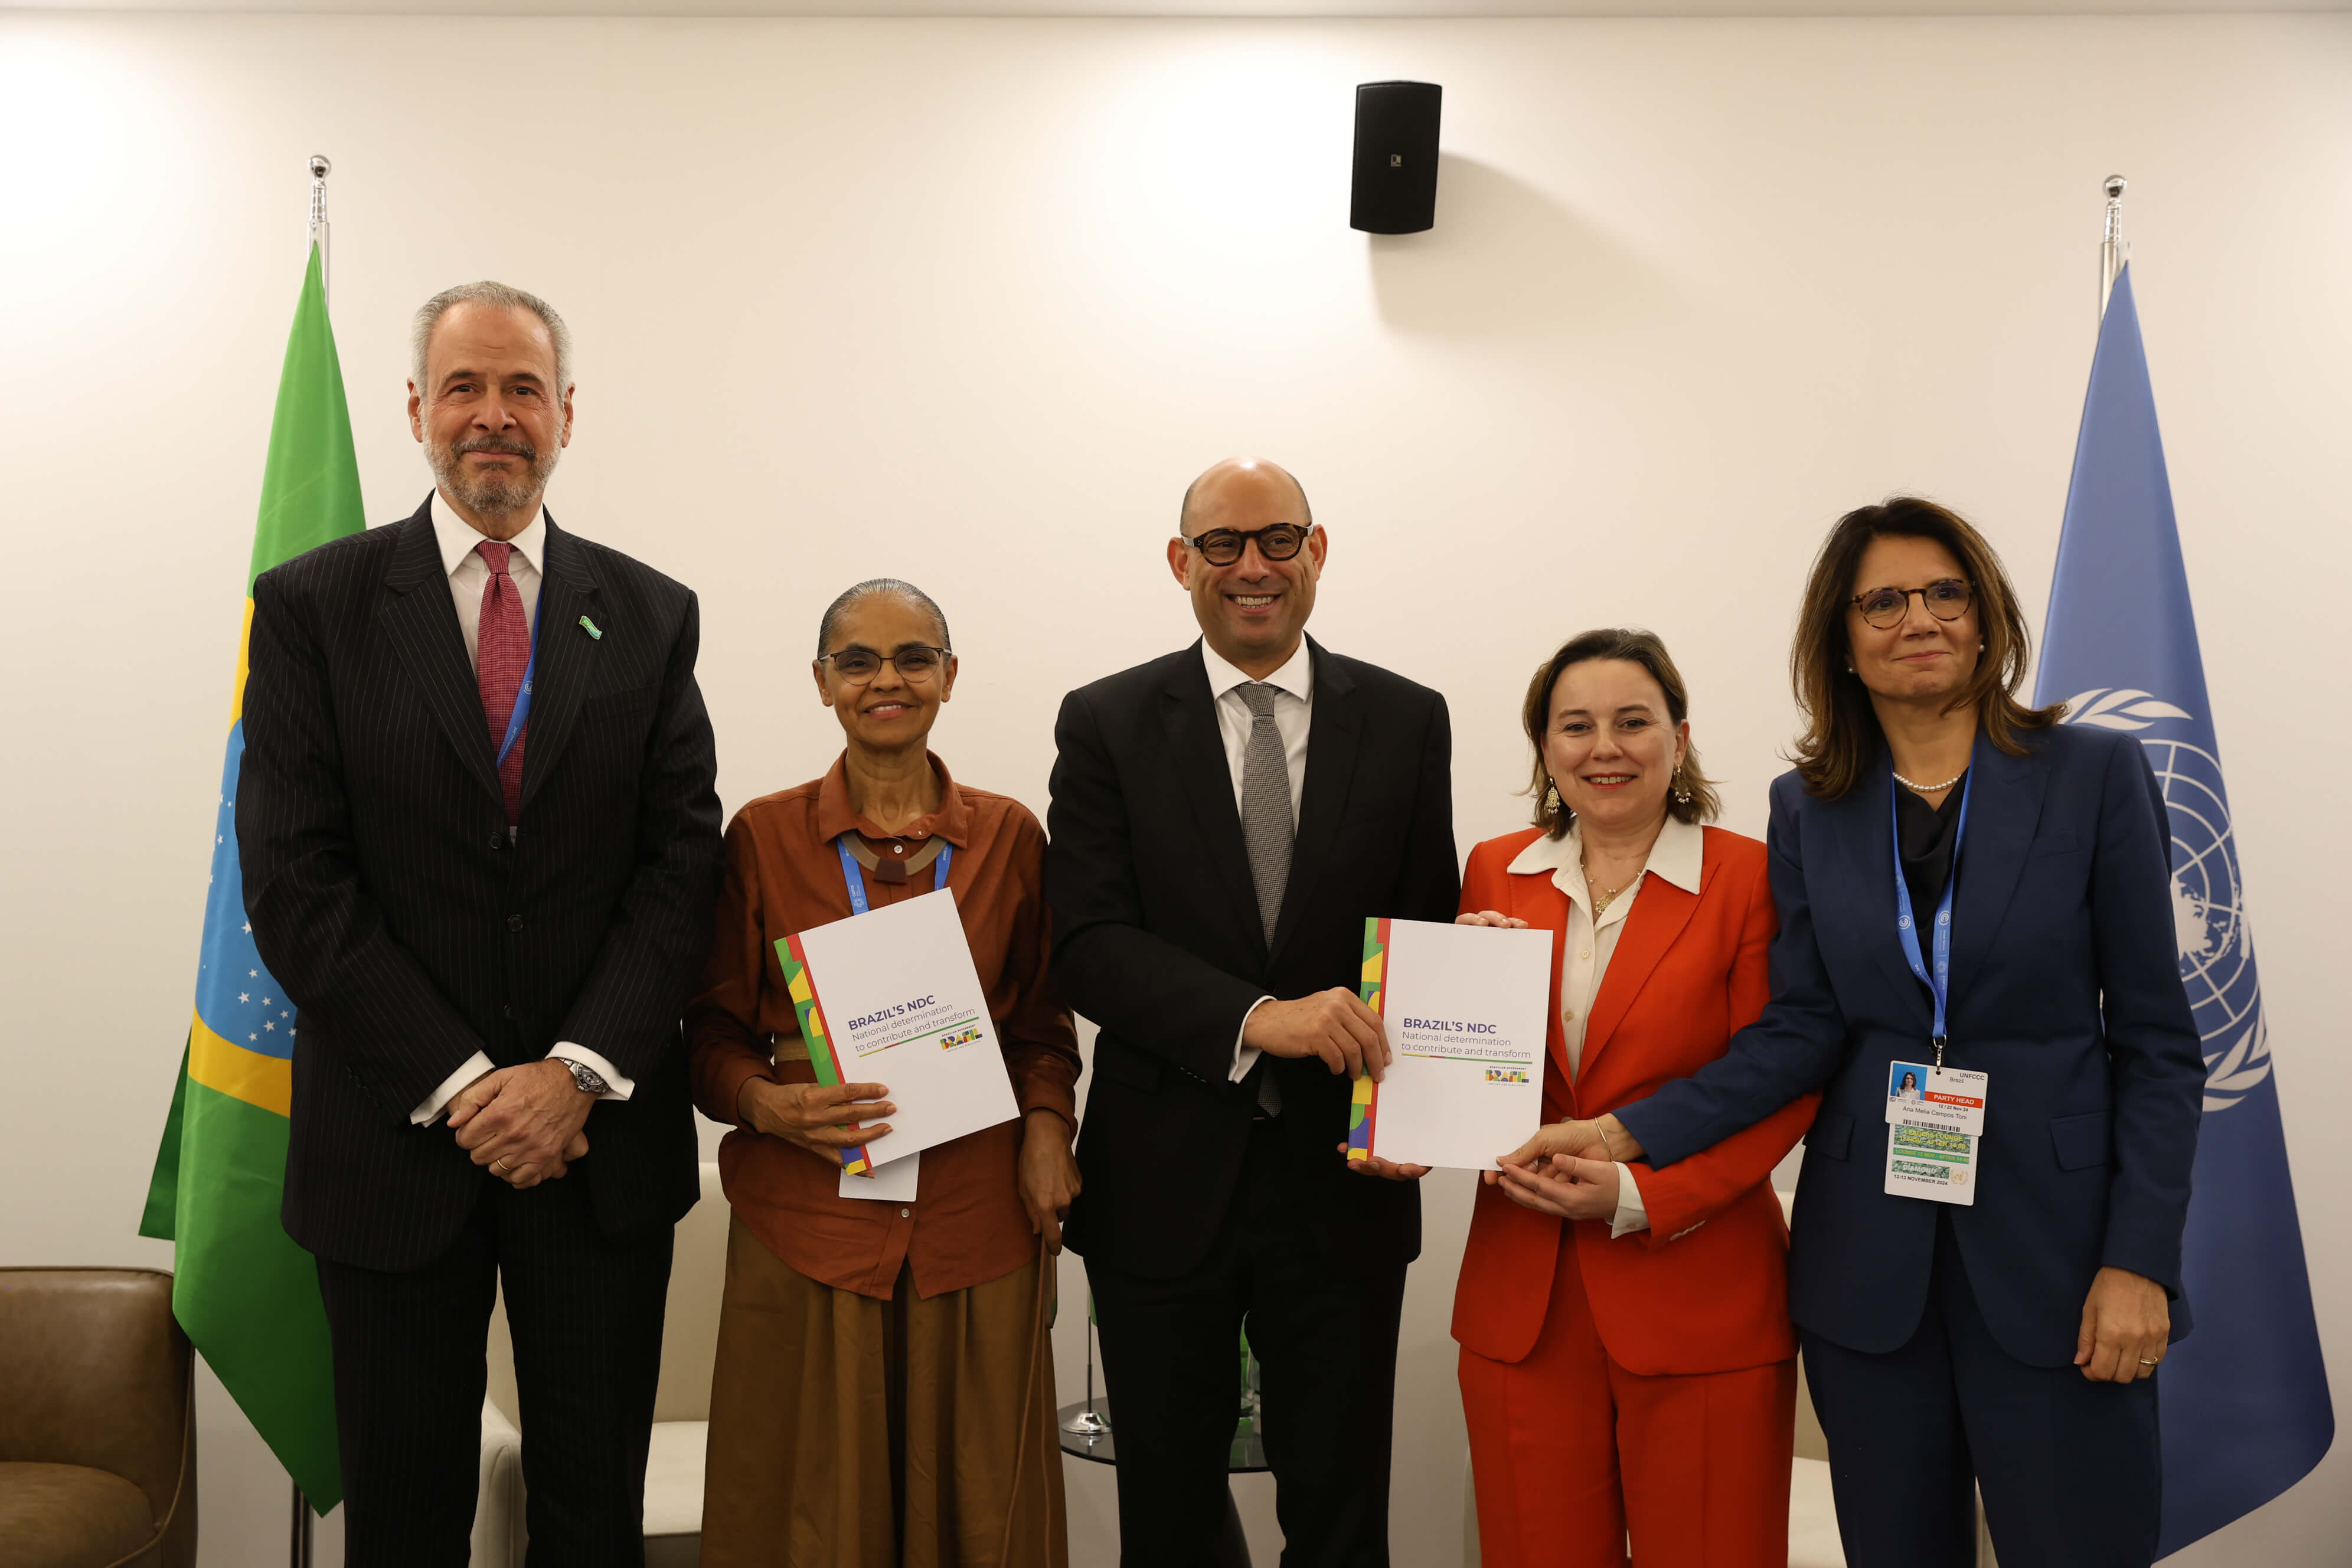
(318, 168)
(2112, 251)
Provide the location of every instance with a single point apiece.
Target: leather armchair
(98, 1436)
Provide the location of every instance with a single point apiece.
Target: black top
(1926, 834)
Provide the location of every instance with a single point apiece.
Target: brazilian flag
(246, 1295)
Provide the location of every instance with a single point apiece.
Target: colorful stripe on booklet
(801, 985)
(1362, 1103)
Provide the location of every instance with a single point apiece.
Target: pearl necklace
(1932, 789)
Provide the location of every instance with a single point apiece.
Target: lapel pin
(590, 627)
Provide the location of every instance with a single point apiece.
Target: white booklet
(891, 997)
(1464, 1007)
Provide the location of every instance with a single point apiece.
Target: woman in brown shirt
(884, 1393)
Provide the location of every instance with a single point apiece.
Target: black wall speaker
(1396, 157)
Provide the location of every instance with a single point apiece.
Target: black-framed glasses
(1278, 541)
(916, 662)
(1947, 598)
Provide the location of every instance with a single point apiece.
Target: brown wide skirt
(848, 1432)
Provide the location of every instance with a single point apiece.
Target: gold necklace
(1601, 897)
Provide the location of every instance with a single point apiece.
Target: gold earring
(1551, 798)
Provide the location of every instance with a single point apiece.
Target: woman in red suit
(1627, 1362)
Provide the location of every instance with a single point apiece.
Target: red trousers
(1571, 1453)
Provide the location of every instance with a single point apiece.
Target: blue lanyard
(521, 714)
(1939, 983)
(854, 874)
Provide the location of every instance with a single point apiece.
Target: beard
(493, 493)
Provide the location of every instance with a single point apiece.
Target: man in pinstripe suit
(480, 847)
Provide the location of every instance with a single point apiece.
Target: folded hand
(1586, 1139)
(524, 1122)
(1563, 1185)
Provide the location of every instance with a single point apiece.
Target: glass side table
(1246, 1456)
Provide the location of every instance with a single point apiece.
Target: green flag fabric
(246, 1295)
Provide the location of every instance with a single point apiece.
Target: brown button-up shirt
(967, 1226)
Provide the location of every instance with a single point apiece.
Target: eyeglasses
(1224, 546)
(915, 662)
(1947, 598)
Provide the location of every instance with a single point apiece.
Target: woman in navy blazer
(2011, 1344)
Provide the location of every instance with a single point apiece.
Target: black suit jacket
(1156, 937)
(410, 933)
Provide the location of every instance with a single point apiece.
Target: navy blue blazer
(2066, 987)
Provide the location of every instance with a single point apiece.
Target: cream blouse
(1679, 857)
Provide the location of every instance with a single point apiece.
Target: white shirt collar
(1679, 856)
(458, 538)
(1296, 675)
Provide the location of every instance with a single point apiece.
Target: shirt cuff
(1244, 1057)
(429, 1113)
(1631, 1215)
(618, 1087)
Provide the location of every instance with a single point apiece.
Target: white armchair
(698, 1276)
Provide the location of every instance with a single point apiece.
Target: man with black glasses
(1222, 821)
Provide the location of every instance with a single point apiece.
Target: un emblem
(2209, 924)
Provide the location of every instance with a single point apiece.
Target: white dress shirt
(1294, 712)
(468, 573)
(1586, 947)
(461, 557)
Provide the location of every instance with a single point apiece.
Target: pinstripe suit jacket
(386, 896)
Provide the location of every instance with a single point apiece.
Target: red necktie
(503, 655)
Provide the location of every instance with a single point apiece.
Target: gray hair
(868, 589)
(502, 297)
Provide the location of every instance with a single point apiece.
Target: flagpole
(298, 1545)
(2112, 251)
(298, 1551)
(318, 171)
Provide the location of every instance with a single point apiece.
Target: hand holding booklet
(892, 997)
(1464, 1008)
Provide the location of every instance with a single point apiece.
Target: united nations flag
(2243, 1397)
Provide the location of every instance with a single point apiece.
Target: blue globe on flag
(2209, 924)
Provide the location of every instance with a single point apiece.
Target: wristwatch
(589, 1080)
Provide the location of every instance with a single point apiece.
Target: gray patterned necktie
(1265, 805)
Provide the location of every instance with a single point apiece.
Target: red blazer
(1705, 1288)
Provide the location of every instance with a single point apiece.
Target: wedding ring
(502, 1167)
(2145, 1362)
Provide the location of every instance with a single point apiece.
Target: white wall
(971, 301)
